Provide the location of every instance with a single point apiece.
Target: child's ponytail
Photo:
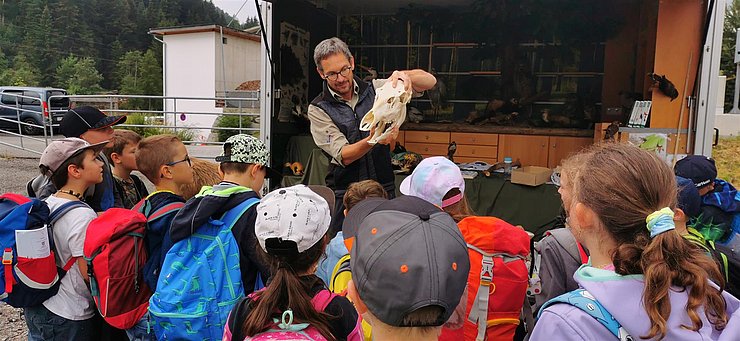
(670, 260)
(286, 291)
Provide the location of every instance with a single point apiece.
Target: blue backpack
(583, 300)
(200, 282)
(28, 282)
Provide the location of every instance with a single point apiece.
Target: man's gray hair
(329, 47)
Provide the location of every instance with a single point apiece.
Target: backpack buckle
(486, 271)
(8, 256)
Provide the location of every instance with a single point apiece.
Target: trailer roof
(353, 7)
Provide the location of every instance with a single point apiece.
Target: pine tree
(22, 73)
(79, 75)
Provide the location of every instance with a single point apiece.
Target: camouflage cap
(246, 148)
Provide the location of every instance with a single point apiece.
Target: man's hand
(390, 139)
(402, 76)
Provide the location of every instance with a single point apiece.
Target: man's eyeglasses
(187, 158)
(332, 76)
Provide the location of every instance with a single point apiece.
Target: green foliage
(79, 76)
(232, 121)
(47, 31)
(22, 73)
(727, 59)
(140, 74)
(143, 119)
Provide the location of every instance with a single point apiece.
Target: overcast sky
(232, 6)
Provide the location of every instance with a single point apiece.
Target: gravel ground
(14, 173)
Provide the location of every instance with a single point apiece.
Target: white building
(204, 62)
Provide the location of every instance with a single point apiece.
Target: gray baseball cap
(59, 151)
(407, 254)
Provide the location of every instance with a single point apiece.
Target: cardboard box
(531, 175)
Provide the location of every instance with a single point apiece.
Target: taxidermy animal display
(371, 73)
(399, 148)
(500, 165)
(451, 149)
(497, 111)
(437, 95)
(406, 161)
(664, 85)
(555, 119)
(414, 115)
(610, 133)
(388, 112)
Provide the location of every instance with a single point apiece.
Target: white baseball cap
(296, 214)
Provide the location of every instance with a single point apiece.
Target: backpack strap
(583, 300)
(322, 299)
(479, 311)
(164, 211)
(16, 198)
(57, 214)
(63, 209)
(568, 242)
(232, 216)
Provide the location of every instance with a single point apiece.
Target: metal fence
(20, 116)
(202, 121)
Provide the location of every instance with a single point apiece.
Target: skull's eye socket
(390, 100)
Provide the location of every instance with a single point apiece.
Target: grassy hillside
(727, 156)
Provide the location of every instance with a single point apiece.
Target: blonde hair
(154, 152)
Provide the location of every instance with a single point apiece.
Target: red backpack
(497, 282)
(115, 253)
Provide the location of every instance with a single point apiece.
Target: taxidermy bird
(664, 85)
(437, 95)
(610, 133)
(399, 148)
(451, 149)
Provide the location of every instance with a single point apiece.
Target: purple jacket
(622, 297)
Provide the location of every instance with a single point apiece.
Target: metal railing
(161, 114)
(14, 121)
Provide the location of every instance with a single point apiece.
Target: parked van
(32, 106)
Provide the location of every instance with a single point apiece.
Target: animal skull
(388, 112)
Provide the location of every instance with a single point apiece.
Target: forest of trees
(94, 46)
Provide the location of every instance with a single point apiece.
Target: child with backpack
(227, 211)
(643, 279)
(497, 252)
(409, 266)
(121, 152)
(719, 218)
(164, 160)
(72, 166)
(92, 125)
(291, 227)
(337, 251)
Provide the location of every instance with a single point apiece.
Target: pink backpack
(285, 329)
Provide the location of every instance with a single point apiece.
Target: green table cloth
(534, 208)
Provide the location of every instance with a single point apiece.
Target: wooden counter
(544, 147)
(493, 129)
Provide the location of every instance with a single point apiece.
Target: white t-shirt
(73, 301)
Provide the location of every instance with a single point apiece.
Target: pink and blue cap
(432, 179)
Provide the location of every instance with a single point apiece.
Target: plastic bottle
(507, 166)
